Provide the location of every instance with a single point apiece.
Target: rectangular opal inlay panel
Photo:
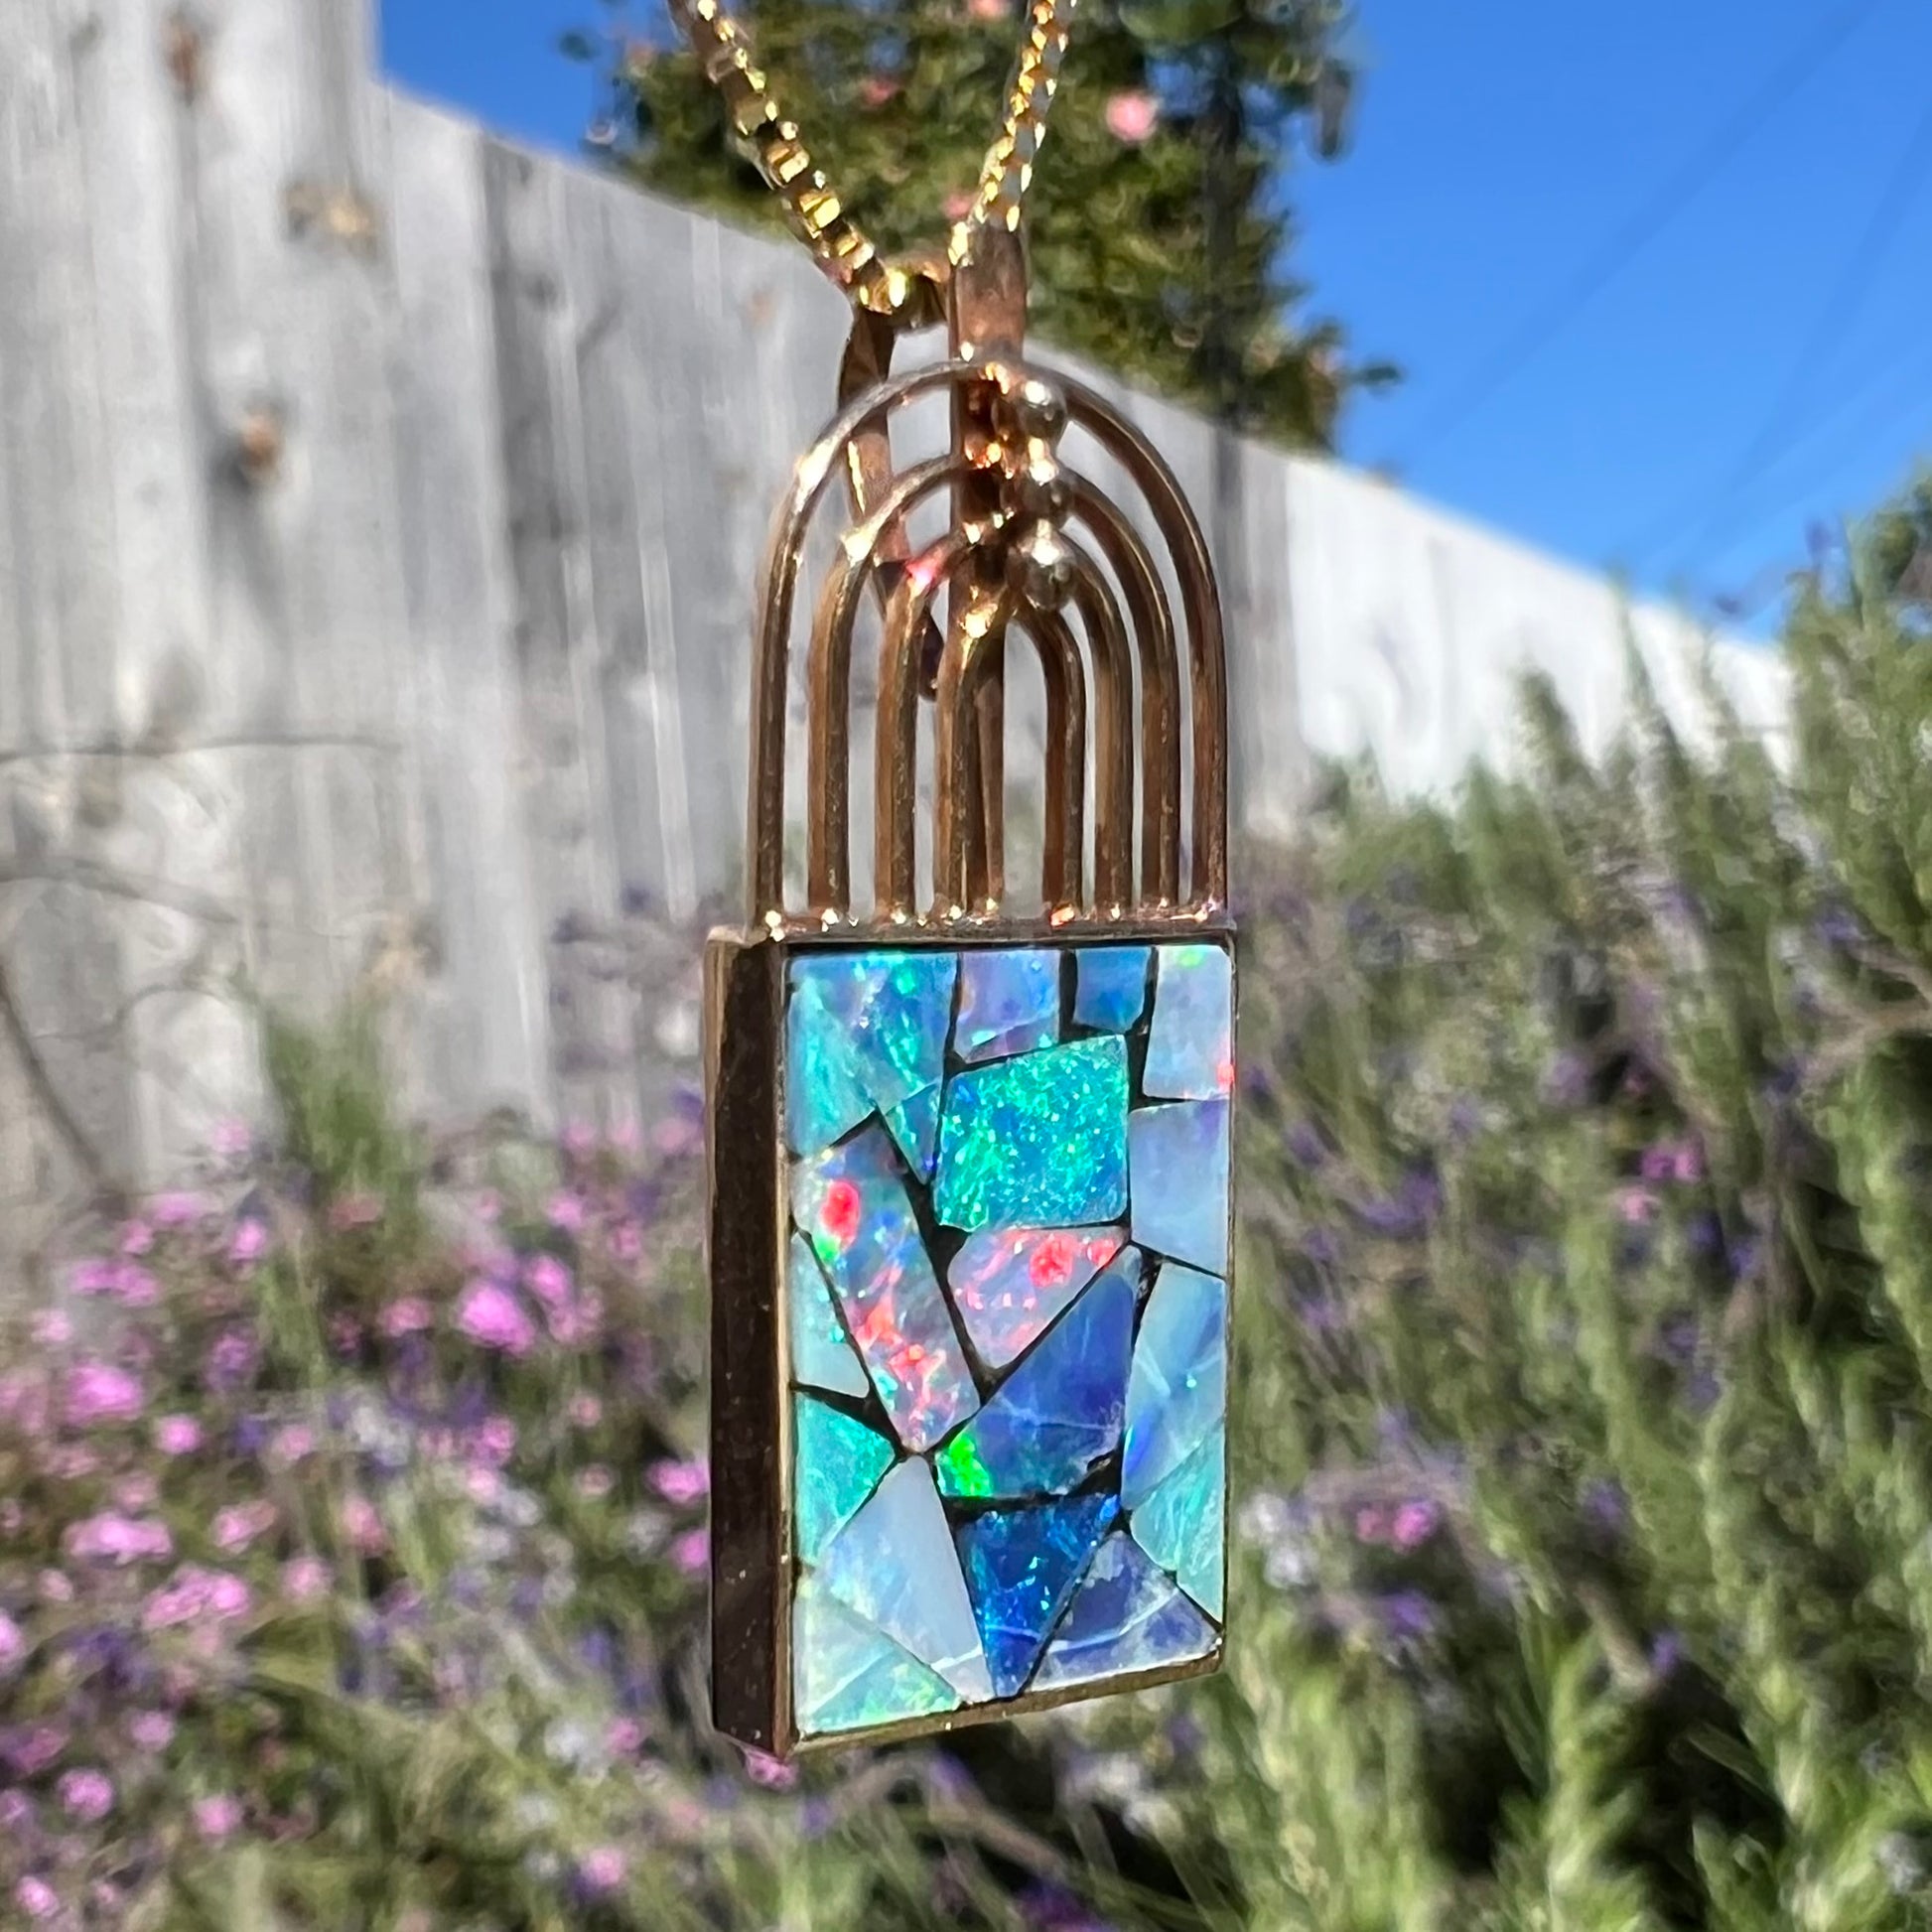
(1006, 1303)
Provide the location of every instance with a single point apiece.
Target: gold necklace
(971, 1199)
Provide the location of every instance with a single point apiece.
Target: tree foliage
(1157, 224)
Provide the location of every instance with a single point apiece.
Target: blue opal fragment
(914, 1125)
(1190, 1039)
(1021, 1566)
(847, 1673)
(1040, 1141)
(1178, 1157)
(821, 1356)
(1009, 1002)
(1009, 1283)
(1182, 1525)
(1110, 986)
(863, 1032)
(851, 1205)
(1176, 1396)
(1060, 1411)
(894, 1564)
(1126, 1617)
(835, 1465)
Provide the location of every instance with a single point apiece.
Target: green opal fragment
(835, 1465)
(846, 1673)
(1037, 1141)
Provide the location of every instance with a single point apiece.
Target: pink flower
(624, 1737)
(1690, 1162)
(1132, 115)
(585, 1411)
(194, 1594)
(72, 1461)
(595, 1482)
(1637, 1205)
(32, 1754)
(233, 1139)
(176, 1210)
(680, 1482)
(55, 1586)
(691, 1553)
(494, 1439)
(151, 1730)
(218, 1816)
(98, 1392)
(304, 1579)
(137, 1237)
(51, 1329)
(409, 1316)
(548, 1280)
(770, 1772)
(16, 1812)
(247, 1244)
(292, 1444)
(88, 1796)
(602, 1871)
(566, 1211)
(482, 1483)
(989, 9)
(876, 89)
(492, 1317)
(37, 1898)
(13, 1642)
(134, 1286)
(956, 208)
(229, 1596)
(1372, 1524)
(177, 1435)
(1415, 1523)
(488, 1205)
(363, 1527)
(136, 1492)
(627, 1241)
(579, 1140)
(626, 1137)
(240, 1524)
(119, 1540)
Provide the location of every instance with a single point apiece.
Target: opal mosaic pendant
(971, 1174)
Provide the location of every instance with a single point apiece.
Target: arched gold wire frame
(1035, 552)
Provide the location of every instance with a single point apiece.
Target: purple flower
(1408, 1614)
(16, 1812)
(1606, 1506)
(231, 1360)
(1304, 1145)
(29, 1752)
(1666, 1653)
(98, 1392)
(85, 1795)
(1322, 1247)
(492, 1317)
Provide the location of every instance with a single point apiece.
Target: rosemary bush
(352, 1509)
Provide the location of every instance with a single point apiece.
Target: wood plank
(488, 1017)
(593, 1013)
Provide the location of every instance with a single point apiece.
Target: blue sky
(1761, 363)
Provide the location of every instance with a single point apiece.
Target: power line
(1876, 388)
(1840, 308)
(1642, 226)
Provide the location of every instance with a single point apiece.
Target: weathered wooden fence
(378, 505)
